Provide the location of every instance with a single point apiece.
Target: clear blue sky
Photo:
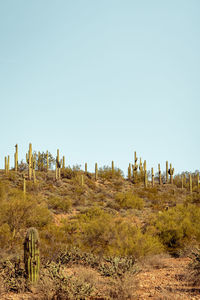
(99, 79)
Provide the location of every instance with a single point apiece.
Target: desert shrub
(61, 204)
(129, 200)
(178, 226)
(70, 173)
(99, 232)
(12, 275)
(3, 194)
(106, 173)
(194, 267)
(19, 212)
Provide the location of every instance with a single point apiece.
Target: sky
(100, 79)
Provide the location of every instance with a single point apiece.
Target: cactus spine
(152, 176)
(190, 183)
(16, 157)
(159, 173)
(96, 171)
(167, 174)
(32, 255)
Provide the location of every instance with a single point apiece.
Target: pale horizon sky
(100, 80)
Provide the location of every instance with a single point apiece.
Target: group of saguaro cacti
(32, 255)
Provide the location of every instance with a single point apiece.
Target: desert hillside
(102, 235)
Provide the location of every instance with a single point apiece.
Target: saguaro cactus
(113, 168)
(159, 173)
(197, 181)
(32, 255)
(16, 157)
(145, 174)
(167, 174)
(86, 168)
(63, 163)
(6, 165)
(47, 156)
(129, 172)
(96, 171)
(152, 176)
(135, 167)
(58, 165)
(171, 173)
(30, 162)
(24, 186)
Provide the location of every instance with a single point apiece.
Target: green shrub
(106, 173)
(61, 204)
(129, 200)
(178, 227)
(101, 233)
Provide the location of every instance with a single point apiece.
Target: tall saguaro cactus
(159, 173)
(167, 174)
(47, 157)
(96, 171)
(171, 173)
(135, 167)
(145, 174)
(30, 162)
(85, 168)
(58, 165)
(32, 255)
(152, 177)
(113, 168)
(16, 157)
(129, 172)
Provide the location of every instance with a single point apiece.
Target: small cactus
(32, 255)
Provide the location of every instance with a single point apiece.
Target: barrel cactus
(32, 255)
